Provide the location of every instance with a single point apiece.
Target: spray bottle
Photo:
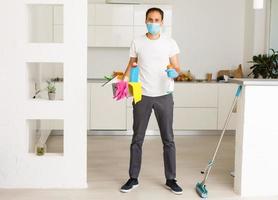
(134, 73)
(171, 83)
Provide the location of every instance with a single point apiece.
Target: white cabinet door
(195, 95)
(58, 21)
(58, 15)
(91, 14)
(106, 113)
(58, 33)
(88, 106)
(225, 99)
(92, 39)
(114, 14)
(195, 106)
(110, 36)
(195, 119)
(140, 14)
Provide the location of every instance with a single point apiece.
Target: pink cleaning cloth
(121, 90)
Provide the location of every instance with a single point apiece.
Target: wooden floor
(108, 159)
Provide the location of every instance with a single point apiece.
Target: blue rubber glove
(172, 73)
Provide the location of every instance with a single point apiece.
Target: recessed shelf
(44, 23)
(46, 81)
(40, 132)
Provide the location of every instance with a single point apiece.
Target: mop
(201, 187)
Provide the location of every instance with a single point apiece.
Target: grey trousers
(163, 109)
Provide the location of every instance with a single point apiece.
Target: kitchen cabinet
(58, 33)
(226, 95)
(113, 25)
(195, 118)
(58, 21)
(58, 15)
(199, 95)
(89, 106)
(105, 112)
(113, 15)
(91, 14)
(140, 14)
(108, 36)
(129, 118)
(197, 106)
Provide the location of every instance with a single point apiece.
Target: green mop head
(201, 190)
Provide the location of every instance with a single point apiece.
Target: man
(154, 52)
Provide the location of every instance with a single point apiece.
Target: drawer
(195, 119)
(195, 95)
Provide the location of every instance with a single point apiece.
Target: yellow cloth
(136, 90)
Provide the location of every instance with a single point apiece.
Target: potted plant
(51, 90)
(265, 65)
(40, 148)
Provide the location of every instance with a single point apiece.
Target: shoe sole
(126, 191)
(177, 193)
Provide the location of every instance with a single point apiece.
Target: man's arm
(127, 71)
(174, 61)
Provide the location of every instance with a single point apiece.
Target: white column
(19, 168)
(256, 160)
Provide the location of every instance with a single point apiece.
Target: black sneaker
(173, 186)
(129, 185)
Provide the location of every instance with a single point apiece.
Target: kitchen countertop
(255, 82)
(102, 80)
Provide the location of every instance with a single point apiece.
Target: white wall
(210, 35)
(255, 33)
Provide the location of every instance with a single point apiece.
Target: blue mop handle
(134, 73)
(238, 90)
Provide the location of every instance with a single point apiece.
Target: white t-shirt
(153, 58)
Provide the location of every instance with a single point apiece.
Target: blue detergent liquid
(134, 74)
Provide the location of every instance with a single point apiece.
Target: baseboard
(156, 132)
(148, 132)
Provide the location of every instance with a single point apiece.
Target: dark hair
(153, 10)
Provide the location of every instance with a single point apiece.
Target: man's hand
(172, 73)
